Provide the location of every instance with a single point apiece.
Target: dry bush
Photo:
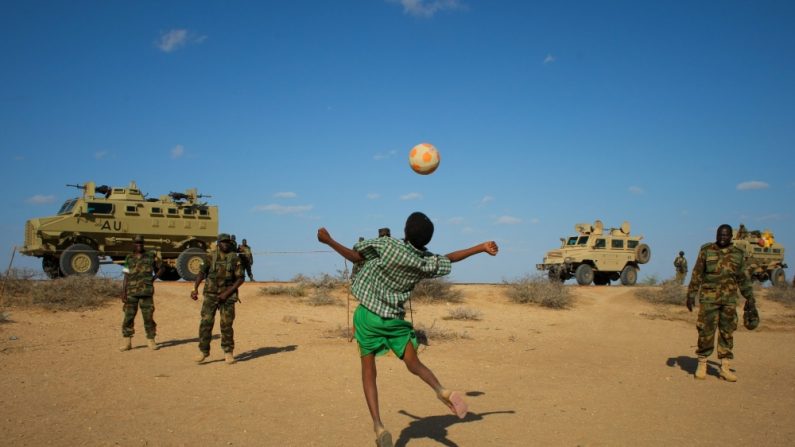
(319, 298)
(782, 294)
(70, 293)
(669, 292)
(436, 290)
(464, 313)
(650, 280)
(339, 331)
(541, 291)
(427, 334)
(290, 319)
(297, 291)
(4, 317)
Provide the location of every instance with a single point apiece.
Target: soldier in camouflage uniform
(224, 274)
(138, 290)
(717, 279)
(247, 257)
(680, 264)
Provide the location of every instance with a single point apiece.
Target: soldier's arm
(158, 267)
(744, 281)
(696, 276)
(239, 279)
(194, 294)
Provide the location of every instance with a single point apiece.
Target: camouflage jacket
(220, 272)
(718, 276)
(681, 264)
(245, 253)
(141, 274)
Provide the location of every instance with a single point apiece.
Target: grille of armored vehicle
(98, 228)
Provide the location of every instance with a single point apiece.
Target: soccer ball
(424, 158)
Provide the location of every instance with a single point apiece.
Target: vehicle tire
(601, 279)
(50, 266)
(629, 276)
(189, 263)
(642, 253)
(170, 274)
(584, 274)
(79, 259)
(778, 277)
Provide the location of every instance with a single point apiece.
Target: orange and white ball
(424, 158)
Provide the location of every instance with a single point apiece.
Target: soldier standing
(680, 264)
(224, 274)
(718, 278)
(138, 290)
(247, 257)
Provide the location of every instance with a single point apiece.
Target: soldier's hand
(690, 303)
(194, 295)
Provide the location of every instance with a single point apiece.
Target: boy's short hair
(419, 230)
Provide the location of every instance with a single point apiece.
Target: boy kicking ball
(389, 270)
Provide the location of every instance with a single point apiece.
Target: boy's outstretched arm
(489, 247)
(347, 253)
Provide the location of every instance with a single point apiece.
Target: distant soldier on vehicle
(224, 274)
(247, 257)
(138, 290)
(680, 264)
(718, 277)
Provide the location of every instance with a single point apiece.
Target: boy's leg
(453, 399)
(369, 374)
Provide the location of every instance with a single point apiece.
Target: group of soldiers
(222, 272)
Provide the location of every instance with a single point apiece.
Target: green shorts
(377, 335)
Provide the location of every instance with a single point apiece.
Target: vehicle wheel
(170, 274)
(189, 263)
(642, 253)
(79, 259)
(601, 279)
(50, 266)
(778, 277)
(629, 276)
(584, 274)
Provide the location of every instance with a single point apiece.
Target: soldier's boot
(701, 371)
(725, 372)
(152, 344)
(229, 358)
(126, 344)
(201, 356)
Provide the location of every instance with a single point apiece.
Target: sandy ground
(613, 370)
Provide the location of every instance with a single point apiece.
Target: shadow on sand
(435, 427)
(261, 352)
(184, 341)
(689, 365)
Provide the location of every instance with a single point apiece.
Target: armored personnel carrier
(597, 255)
(98, 228)
(764, 257)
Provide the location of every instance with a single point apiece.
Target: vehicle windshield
(577, 240)
(572, 241)
(67, 206)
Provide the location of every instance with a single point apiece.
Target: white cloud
(175, 39)
(752, 184)
(427, 8)
(549, 59)
(508, 220)
(384, 155)
(285, 195)
(455, 220)
(485, 200)
(467, 230)
(282, 209)
(40, 199)
(535, 220)
(373, 196)
(411, 196)
(637, 190)
(99, 155)
(177, 151)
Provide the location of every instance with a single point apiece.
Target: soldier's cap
(224, 237)
(138, 239)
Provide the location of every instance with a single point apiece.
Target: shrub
(320, 298)
(426, 334)
(297, 291)
(541, 291)
(436, 290)
(70, 293)
(463, 313)
(782, 294)
(650, 280)
(669, 292)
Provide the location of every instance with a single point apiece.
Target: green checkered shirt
(389, 272)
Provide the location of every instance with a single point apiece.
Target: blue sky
(675, 116)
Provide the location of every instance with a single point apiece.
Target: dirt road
(613, 370)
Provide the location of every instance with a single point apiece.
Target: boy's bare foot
(455, 401)
(382, 437)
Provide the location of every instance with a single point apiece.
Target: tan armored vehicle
(98, 228)
(597, 255)
(764, 257)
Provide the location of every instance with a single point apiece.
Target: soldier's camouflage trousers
(722, 317)
(147, 304)
(680, 277)
(227, 311)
